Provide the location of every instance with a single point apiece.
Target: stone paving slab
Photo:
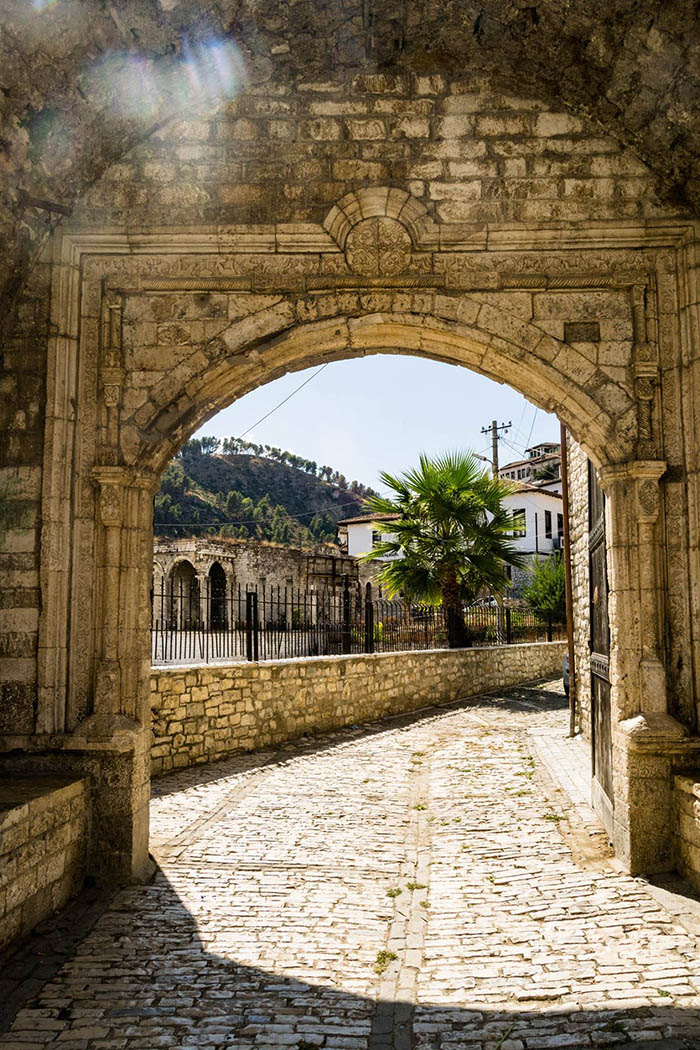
(418, 884)
(568, 762)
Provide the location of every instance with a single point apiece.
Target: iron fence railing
(195, 624)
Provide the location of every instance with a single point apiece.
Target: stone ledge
(25, 798)
(688, 782)
(293, 661)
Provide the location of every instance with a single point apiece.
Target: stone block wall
(206, 713)
(22, 390)
(43, 840)
(471, 152)
(686, 797)
(578, 525)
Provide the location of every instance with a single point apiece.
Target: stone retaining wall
(686, 797)
(205, 713)
(43, 838)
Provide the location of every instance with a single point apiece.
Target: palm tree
(450, 535)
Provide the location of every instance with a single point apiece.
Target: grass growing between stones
(384, 957)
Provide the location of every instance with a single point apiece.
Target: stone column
(112, 482)
(204, 595)
(115, 738)
(645, 735)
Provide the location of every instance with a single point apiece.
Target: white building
(361, 534)
(541, 467)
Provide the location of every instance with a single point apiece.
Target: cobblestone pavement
(420, 883)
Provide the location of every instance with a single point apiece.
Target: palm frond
(449, 516)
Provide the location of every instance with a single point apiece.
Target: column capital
(633, 469)
(645, 474)
(112, 481)
(104, 475)
(142, 478)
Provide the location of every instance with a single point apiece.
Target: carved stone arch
(457, 329)
(205, 563)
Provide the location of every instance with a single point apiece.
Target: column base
(645, 750)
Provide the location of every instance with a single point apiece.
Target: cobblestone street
(424, 882)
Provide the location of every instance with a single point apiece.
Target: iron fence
(191, 624)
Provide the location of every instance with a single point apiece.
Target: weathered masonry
(233, 563)
(309, 221)
(201, 714)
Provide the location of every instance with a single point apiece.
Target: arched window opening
(218, 619)
(184, 604)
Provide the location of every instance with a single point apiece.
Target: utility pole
(493, 430)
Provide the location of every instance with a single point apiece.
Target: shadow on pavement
(142, 978)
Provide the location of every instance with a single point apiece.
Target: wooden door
(601, 721)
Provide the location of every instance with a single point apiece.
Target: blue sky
(378, 413)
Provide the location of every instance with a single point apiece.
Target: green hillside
(238, 488)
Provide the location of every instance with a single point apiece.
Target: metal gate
(601, 721)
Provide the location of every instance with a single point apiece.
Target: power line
(284, 401)
(522, 416)
(514, 447)
(518, 436)
(532, 425)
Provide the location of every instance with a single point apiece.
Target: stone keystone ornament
(379, 247)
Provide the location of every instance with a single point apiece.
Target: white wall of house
(545, 455)
(361, 537)
(542, 514)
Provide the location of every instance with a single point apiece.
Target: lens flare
(213, 69)
(137, 88)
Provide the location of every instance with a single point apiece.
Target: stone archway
(170, 332)
(218, 606)
(458, 330)
(183, 596)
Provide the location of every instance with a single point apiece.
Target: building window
(376, 537)
(560, 525)
(548, 524)
(519, 528)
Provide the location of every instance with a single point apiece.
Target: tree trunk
(457, 635)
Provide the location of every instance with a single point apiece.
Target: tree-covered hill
(238, 488)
